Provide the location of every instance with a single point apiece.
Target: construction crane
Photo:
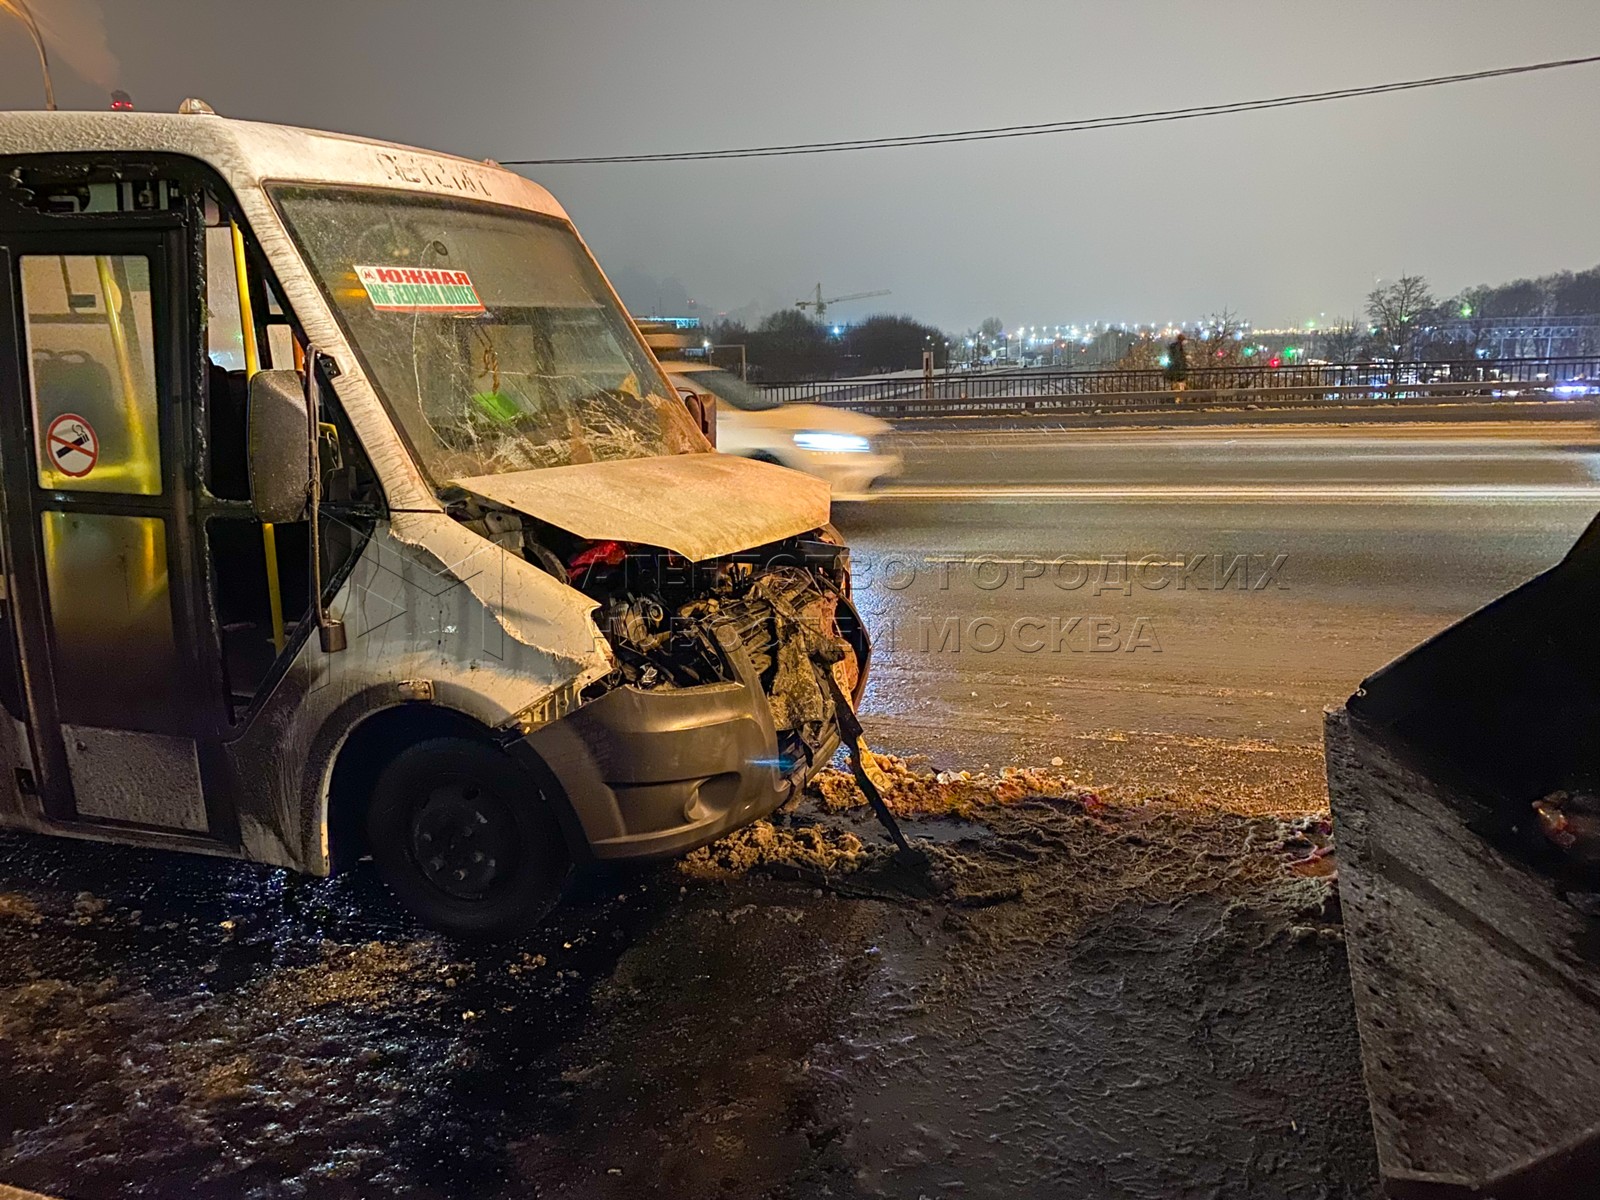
(819, 306)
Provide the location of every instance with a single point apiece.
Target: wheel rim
(464, 838)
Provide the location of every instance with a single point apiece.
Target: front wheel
(466, 839)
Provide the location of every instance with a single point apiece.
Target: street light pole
(19, 10)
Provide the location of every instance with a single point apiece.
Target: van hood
(698, 505)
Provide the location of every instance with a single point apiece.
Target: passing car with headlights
(345, 515)
(851, 451)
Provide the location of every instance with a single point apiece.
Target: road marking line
(1228, 493)
(1554, 435)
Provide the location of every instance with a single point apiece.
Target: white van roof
(246, 153)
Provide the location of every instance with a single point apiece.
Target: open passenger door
(99, 332)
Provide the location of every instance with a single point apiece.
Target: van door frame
(170, 239)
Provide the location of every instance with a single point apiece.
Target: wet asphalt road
(1112, 1003)
(1145, 1000)
(1380, 536)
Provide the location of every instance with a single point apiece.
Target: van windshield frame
(489, 332)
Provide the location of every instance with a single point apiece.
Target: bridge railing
(1034, 389)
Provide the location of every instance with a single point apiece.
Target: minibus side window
(259, 577)
(224, 334)
(260, 574)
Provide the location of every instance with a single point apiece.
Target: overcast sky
(1278, 215)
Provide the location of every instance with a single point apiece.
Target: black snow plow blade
(1474, 951)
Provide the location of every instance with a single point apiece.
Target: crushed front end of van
(718, 707)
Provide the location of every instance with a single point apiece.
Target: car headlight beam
(827, 442)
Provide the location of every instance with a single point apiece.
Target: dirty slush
(1103, 993)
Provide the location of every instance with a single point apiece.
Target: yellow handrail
(149, 581)
(252, 364)
(140, 459)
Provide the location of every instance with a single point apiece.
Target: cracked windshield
(491, 335)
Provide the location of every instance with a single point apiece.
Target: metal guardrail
(1035, 390)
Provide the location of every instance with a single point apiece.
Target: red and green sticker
(419, 289)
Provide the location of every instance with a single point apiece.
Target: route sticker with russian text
(72, 444)
(419, 289)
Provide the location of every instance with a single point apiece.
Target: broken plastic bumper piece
(654, 773)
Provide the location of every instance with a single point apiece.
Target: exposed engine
(669, 621)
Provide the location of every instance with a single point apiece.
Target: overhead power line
(1073, 126)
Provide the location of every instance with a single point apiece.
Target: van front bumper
(651, 774)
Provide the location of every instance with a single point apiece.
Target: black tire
(466, 839)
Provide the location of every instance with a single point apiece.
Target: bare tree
(1224, 324)
(1343, 343)
(1224, 333)
(988, 335)
(1217, 343)
(1398, 313)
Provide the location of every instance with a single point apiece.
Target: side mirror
(280, 467)
(702, 407)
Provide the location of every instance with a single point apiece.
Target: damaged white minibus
(346, 514)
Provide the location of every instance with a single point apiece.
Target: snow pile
(910, 792)
(761, 843)
(1086, 852)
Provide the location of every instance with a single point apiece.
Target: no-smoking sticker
(72, 445)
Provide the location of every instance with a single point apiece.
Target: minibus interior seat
(75, 382)
(244, 610)
(227, 407)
